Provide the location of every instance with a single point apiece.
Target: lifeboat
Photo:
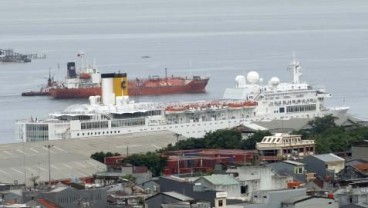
(241, 105)
(235, 106)
(84, 76)
(175, 109)
(250, 104)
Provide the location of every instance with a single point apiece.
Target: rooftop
(179, 196)
(293, 162)
(329, 157)
(71, 158)
(297, 199)
(221, 179)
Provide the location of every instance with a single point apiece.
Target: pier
(8, 55)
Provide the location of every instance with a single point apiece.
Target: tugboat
(45, 90)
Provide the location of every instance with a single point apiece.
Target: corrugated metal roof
(70, 159)
(59, 189)
(293, 162)
(221, 180)
(255, 127)
(297, 199)
(177, 195)
(329, 157)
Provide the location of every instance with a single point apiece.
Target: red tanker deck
(139, 87)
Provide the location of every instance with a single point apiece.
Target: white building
(258, 178)
(284, 146)
(223, 183)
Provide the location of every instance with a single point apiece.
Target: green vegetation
(100, 156)
(220, 139)
(152, 160)
(332, 138)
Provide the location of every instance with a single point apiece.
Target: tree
(250, 142)
(153, 161)
(222, 139)
(320, 124)
(100, 156)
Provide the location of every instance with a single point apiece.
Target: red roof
(362, 167)
(48, 204)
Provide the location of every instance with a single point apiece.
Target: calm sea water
(189, 37)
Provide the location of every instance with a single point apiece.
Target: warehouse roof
(71, 158)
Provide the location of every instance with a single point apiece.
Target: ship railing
(202, 102)
(35, 121)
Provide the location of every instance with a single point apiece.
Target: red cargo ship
(150, 86)
(87, 83)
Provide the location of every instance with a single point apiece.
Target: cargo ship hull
(69, 93)
(139, 88)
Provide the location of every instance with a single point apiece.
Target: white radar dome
(240, 81)
(253, 77)
(274, 81)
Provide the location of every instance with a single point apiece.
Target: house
(359, 150)
(166, 198)
(223, 183)
(284, 146)
(326, 166)
(354, 194)
(354, 169)
(273, 198)
(66, 196)
(139, 174)
(194, 190)
(256, 178)
(294, 169)
(308, 202)
(150, 186)
(248, 130)
(204, 160)
(174, 200)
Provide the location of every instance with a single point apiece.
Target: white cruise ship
(113, 113)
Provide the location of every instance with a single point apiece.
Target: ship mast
(296, 69)
(83, 61)
(167, 83)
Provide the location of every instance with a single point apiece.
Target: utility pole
(49, 146)
(177, 140)
(177, 137)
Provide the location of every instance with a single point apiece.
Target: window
(282, 110)
(220, 203)
(243, 189)
(298, 170)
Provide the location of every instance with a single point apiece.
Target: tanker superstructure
(114, 113)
